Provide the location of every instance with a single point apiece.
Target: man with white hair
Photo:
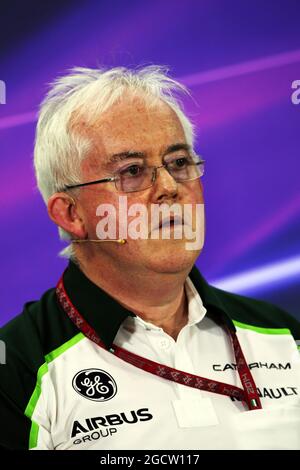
(133, 349)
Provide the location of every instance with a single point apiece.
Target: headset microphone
(121, 241)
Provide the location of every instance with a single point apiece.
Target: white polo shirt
(148, 412)
(60, 390)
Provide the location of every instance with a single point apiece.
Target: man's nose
(165, 185)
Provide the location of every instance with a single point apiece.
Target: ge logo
(95, 384)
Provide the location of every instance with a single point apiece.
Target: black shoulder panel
(243, 309)
(38, 330)
(257, 312)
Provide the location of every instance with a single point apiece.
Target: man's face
(131, 126)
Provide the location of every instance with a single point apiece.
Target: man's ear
(62, 210)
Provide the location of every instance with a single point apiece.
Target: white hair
(84, 92)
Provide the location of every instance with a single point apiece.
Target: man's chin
(172, 258)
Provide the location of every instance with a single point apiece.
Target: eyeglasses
(137, 176)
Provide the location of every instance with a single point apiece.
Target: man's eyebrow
(116, 157)
(176, 147)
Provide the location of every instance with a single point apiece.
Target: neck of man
(158, 298)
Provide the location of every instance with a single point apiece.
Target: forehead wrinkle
(104, 140)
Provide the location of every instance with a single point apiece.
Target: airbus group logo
(95, 384)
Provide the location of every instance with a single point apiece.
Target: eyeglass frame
(115, 178)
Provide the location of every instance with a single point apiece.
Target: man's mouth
(169, 222)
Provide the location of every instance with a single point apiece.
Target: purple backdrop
(239, 60)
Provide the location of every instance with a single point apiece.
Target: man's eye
(180, 162)
(133, 170)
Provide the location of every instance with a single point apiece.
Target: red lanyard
(248, 394)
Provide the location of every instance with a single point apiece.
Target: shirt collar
(213, 299)
(196, 310)
(103, 313)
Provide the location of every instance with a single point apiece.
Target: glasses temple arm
(104, 180)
